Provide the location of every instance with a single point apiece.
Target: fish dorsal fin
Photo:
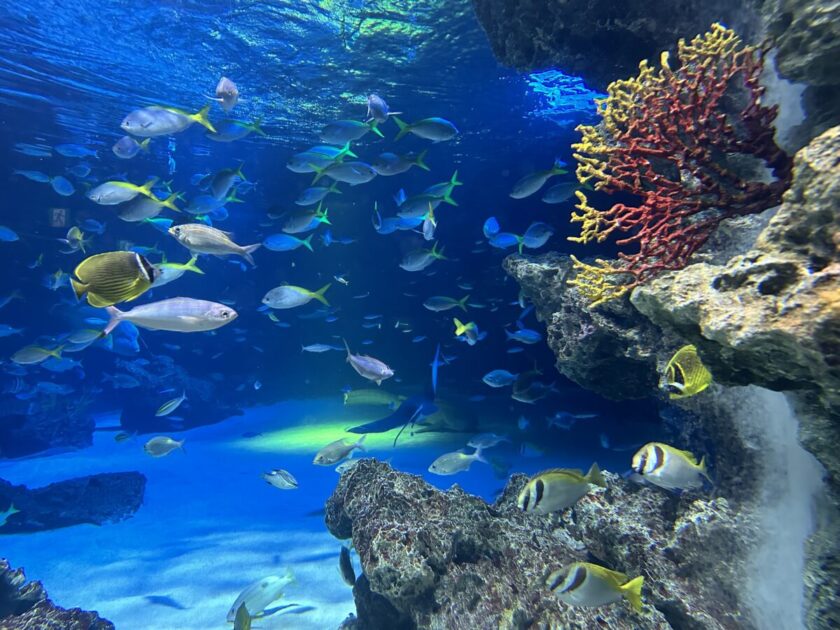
(561, 471)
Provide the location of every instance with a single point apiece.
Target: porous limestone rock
(610, 350)
(26, 606)
(450, 560)
(771, 317)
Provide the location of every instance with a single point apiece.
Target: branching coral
(679, 140)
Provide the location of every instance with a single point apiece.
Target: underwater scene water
(371, 314)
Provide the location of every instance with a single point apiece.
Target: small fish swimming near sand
(161, 446)
(282, 479)
(336, 451)
(260, 595)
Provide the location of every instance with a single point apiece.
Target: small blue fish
(82, 169)
(524, 335)
(34, 176)
(62, 186)
(286, 242)
(90, 225)
(418, 338)
(75, 151)
(8, 235)
(313, 195)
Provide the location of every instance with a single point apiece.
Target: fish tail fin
(520, 242)
(438, 254)
(595, 477)
(558, 168)
(404, 127)
(144, 146)
(247, 250)
(360, 443)
(346, 345)
(345, 150)
(181, 446)
(318, 170)
(169, 202)
(334, 188)
(419, 161)
(255, 127)
(374, 127)
(322, 215)
(191, 266)
(703, 471)
(116, 316)
(462, 303)
(459, 327)
(633, 592)
(319, 294)
(201, 118)
(232, 198)
(239, 172)
(56, 352)
(454, 181)
(447, 198)
(146, 189)
(307, 243)
(79, 288)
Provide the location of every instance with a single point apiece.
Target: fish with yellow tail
(669, 467)
(685, 374)
(591, 585)
(557, 489)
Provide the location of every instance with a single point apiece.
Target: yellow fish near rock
(685, 374)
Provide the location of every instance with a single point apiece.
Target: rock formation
(435, 559)
(25, 605)
(95, 499)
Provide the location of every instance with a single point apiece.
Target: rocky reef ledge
(93, 499)
(435, 559)
(25, 605)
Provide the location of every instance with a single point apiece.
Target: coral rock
(450, 560)
(25, 605)
(610, 350)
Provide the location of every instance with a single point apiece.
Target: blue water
(209, 525)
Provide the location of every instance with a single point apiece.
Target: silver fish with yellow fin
(685, 374)
(669, 467)
(587, 584)
(557, 489)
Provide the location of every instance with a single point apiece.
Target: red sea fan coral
(681, 142)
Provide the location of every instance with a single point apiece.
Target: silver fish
(227, 94)
(203, 239)
(282, 479)
(178, 314)
(162, 445)
(336, 451)
(368, 367)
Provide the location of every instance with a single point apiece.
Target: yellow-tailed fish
(685, 374)
(669, 467)
(242, 619)
(587, 584)
(557, 489)
(171, 405)
(113, 277)
(31, 355)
